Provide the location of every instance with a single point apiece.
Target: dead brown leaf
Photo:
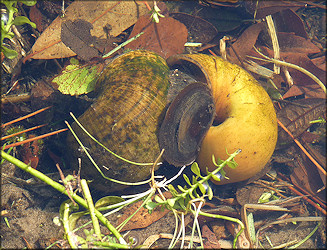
(142, 218)
(304, 62)
(212, 241)
(115, 16)
(288, 21)
(265, 8)
(201, 30)
(244, 44)
(309, 91)
(320, 62)
(77, 36)
(289, 42)
(297, 115)
(306, 176)
(36, 17)
(165, 38)
(303, 81)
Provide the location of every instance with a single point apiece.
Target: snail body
(245, 117)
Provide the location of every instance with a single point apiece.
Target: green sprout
(155, 13)
(9, 19)
(319, 120)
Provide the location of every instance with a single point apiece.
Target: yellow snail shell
(245, 116)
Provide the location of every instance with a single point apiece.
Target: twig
(321, 207)
(24, 117)
(21, 132)
(34, 138)
(62, 177)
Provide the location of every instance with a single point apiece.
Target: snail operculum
(187, 120)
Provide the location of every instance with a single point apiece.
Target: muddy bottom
(27, 213)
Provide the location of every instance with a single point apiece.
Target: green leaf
(223, 173)
(28, 2)
(215, 177)
(171, 202)
(214, 161)
(73, 218)
(232, 164)
(187, 179)
(151, 205)
(202, 189)
(107, 201)
(20, 20)
(209, 192)
(194, 179)
(172, 190)
(181, 203)
(9, 53)
(158, 199)
(78, 79)
(8, 35)
(195, 169)
(194, 195)
(251, 227)
(180, 188)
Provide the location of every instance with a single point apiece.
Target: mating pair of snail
(130, 116)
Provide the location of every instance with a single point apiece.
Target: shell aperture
(187, 121)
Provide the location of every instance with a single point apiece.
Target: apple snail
(222, 110)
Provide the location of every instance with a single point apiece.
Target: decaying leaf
(244, 43)
(308, 91)
(201, 30)
(297, 116)
(78, 79)
(142, 218)
(265, 8)
(111, 16)
(307, 176)
(288, 21)
(76, 35)
(165, 38)
(289, 42)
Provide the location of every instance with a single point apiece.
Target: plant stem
(69, 234)
(61, 189)
(123, 44)
(88, 198)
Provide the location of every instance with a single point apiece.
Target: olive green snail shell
(125, 118)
